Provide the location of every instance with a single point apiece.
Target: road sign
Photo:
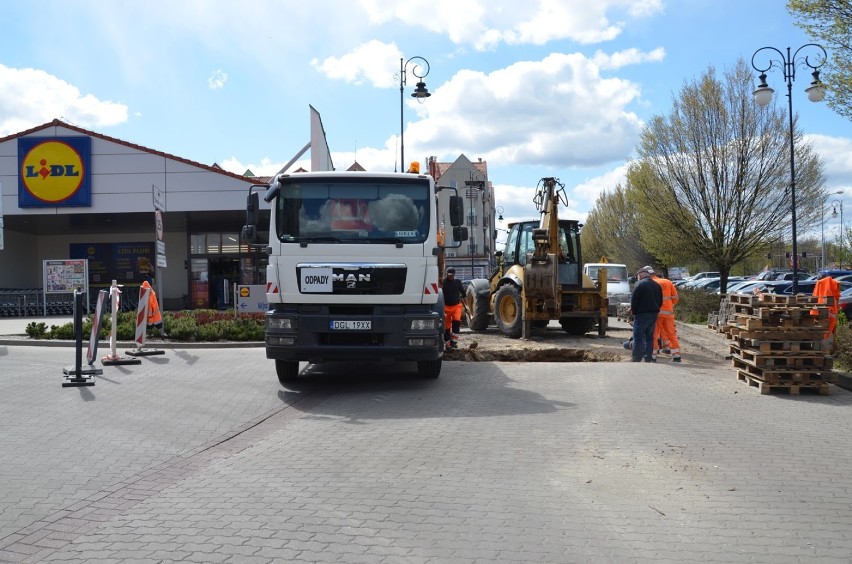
(161, 254)
(158, 222)
(159, 198)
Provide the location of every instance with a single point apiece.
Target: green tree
(829, 22)
(612, 231)
(713, 179)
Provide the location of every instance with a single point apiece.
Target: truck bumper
(391, 338)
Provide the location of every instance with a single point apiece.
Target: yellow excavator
(539, 277)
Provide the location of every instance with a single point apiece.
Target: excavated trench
(475, 354)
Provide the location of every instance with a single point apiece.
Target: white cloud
(486, 23)
(834, 152)
(555, 112)
(31, 97)
(369, 61)
(627, 57)
(606, 182)
(217, 80)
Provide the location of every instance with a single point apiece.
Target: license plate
(351, 325)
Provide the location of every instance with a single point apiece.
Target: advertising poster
(126, 263)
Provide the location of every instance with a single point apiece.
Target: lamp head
(763, 94)
(816, 91)
(421, 91)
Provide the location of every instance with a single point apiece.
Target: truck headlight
(284, 323)
(422, 324)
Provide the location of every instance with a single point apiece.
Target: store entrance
(223, 273)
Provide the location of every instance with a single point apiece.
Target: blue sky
(536, 88)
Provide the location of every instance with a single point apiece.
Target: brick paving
(200, 456)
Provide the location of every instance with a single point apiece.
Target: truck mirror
(249, 233)
(460, 233)
(456, 211)
(252, 205)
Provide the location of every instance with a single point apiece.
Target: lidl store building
(81, 207)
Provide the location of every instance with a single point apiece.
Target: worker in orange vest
(665, 327)
(155, 318)
(828, 287)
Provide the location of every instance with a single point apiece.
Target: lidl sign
(54, 171)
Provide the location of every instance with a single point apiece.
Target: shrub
(694, 306)
(212, 331)
(37, 331)
(188, 325)
(843, 343)
(180, 328)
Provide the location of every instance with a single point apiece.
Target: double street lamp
(822, 224)
(419, 68)
(816, 93)
(839, 204)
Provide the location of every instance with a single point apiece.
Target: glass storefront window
(198, 244)
(230, 243)
(214, 241)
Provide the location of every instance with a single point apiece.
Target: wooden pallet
(769, 311)
(775, 333)
(785, 376)
(780, 346)
(792, 389)
(787, 359)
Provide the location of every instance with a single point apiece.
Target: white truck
(617, 282)
(353, 272)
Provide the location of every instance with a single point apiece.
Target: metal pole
(402, 166)
(822, 237)
(792, 175)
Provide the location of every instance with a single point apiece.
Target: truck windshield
(613, 273)
(353, 210)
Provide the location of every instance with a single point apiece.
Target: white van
(617, 283)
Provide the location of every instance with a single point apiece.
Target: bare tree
(713, 177)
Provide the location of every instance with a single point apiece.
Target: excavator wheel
(507, 311)
(475, 309)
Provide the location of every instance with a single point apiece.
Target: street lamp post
(763, 95)
(418, 64)
(839, 204)
(822, 226)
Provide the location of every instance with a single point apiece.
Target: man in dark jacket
(453, 295)
(645, 303)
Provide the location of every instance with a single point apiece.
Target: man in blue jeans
(645, 303)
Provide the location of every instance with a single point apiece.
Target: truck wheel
(429, 368)
(577, 325)
(507, 311)
(475, 310)
(287, 370)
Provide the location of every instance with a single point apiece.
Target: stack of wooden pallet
(777, 342)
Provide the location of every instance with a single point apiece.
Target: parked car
(709, 284)
(846, 303)
(834, 273)
(779, 274)
(701, 275)
(805, 286)
(789, 276)
(742, 286)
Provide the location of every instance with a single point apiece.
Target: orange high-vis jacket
(824, 288)
(670, 297)
(154, 315)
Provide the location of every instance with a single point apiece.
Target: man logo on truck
(350, 279)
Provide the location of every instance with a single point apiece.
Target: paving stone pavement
(200, 456)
